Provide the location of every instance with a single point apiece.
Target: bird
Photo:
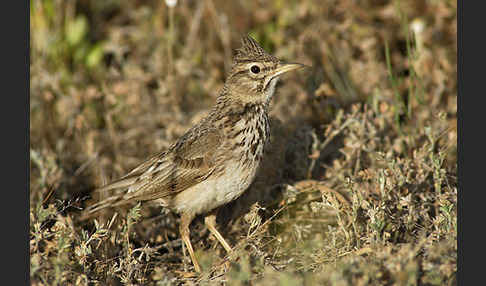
(216, 160)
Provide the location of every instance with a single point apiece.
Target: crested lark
(215, 161)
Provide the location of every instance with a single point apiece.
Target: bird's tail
(116, 199)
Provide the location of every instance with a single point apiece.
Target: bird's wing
(189, 161)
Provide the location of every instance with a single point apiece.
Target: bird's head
(255, 73)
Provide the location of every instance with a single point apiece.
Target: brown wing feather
(189, 161)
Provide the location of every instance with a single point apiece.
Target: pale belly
(215, 192)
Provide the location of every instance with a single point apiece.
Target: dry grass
(359, 184)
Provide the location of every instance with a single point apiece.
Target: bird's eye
(255, 69)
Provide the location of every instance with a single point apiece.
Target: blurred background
(373, 120)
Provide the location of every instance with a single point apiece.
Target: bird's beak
(286, 67)
(283, 67)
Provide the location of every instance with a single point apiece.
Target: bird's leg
(185, 235)
(210, 221)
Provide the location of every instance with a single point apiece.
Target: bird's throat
(270, 89)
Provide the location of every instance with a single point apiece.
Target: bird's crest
(252, 51)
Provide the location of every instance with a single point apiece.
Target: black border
(471, 80)
(15, 121)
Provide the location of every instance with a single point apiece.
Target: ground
(358, 185)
